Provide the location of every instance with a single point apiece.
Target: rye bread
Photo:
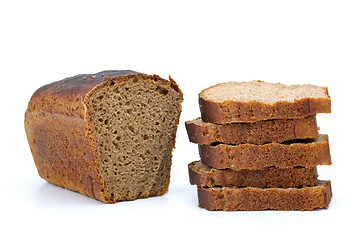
(255, 199)
(205, 176)
(108, 135)
(256, 157)
(260, 132)
(257, 100)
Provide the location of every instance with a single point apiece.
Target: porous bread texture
(108, 136)
(205, 176)
(256, 199)
(255, 157)
(262, 92)
(134, 125)
(257, 100)
(278, 130)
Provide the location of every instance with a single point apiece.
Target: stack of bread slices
(259, 147)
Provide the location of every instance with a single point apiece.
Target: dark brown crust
(204, 176)
(67, 96)
(256, 199)
(260, 132)
(63, 152)
(56, 114)
(256, 157)
(230, 111)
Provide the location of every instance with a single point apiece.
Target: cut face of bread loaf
(256, 100)
(108, 135)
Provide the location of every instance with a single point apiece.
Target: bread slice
(260, 132)
(256, 157)
(257, 100)
(255, 199)
(205, 176)
(108, 135)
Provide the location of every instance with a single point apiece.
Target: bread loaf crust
(204, 176)
(59, 134)
(256, 157)
(63, 152)
(260, 132)
(256, 199)
(232, 111)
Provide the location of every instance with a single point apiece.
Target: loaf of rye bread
(205, 176)
(256, 100)
(256, 157)
(278, 130)
(108, 135)
(256, 199)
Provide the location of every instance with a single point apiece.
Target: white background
(200, 43)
